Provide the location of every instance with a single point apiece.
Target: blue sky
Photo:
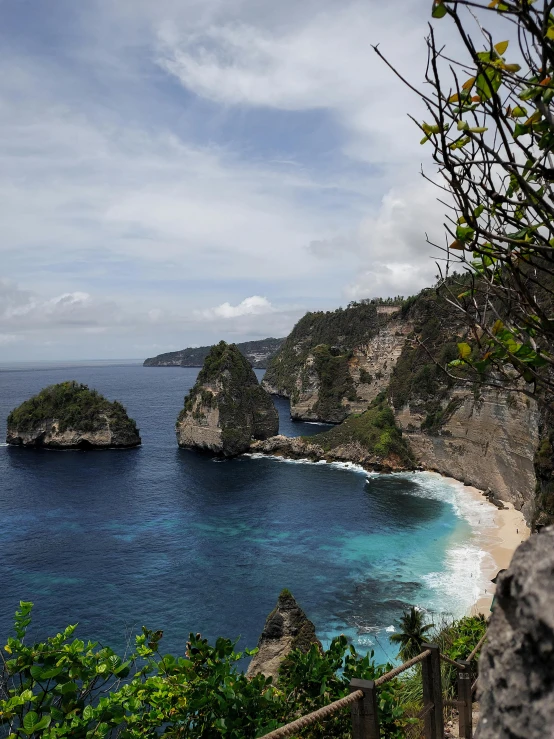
(180, 171)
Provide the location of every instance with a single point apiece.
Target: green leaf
(464, 233)
(88, 713)
(30, 720)
(501, 47)
(439, 9)
(464, 350)
(44, 723)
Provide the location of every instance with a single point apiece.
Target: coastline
(498, 542)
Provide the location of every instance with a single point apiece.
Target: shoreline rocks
(296, 447)
(71, 416)
(287, 627)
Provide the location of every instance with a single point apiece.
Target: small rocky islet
(70, 415)
(226, 408)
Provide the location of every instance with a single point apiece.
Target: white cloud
(253, 306)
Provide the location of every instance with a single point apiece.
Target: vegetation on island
(73, 406)
(67, 687)
(228, 382)
(375, 430)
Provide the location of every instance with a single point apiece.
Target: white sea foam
(390, 628)
(348, 466)
(468, 567)
(3, 444)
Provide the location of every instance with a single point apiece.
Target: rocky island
(71, 416)
(227, 407)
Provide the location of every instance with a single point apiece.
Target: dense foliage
(375, 430)
(335, 382)
(73, 406)
(420, 377)
(64, 687)
(258, 353)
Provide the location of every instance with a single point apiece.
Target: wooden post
(365, 720)
(465, 701)
(432, 693)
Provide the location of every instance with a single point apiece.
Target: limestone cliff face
(366, 371)
(334, 364)
(226, 408)
(486, 439)
(287, 627)
(70, 416)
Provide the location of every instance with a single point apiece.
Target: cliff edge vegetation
(226, 408)
(70, 415)
(371, 439)
(335, 363)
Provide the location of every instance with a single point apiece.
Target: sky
(176, 172)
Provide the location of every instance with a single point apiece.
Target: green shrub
(72, 405)
(64, 687)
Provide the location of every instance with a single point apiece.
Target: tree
(492, 137)
(412, 633)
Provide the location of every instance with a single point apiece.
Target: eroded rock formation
(227, 407)
(516, 673)
(71, 416)
(287, 627)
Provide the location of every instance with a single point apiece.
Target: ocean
(182, 541)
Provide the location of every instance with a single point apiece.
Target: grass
(375, 430)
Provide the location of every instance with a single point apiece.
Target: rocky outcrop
(287, 627)
(71, 416)
(227, 407)
(258, 353)
(371, 440)
(486, 438)
(516, 685)
(352, 451)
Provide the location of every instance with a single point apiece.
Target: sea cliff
(226, 408)
(334, 365)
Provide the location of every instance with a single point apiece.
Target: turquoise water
(185, 542)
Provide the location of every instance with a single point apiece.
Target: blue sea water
(183, 541)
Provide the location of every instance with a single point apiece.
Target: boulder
(227, 407)
(71, 416)
(516, 669)
(287, 627)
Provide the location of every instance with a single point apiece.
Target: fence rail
(363, 699)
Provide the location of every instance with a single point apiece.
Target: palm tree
(412, 633)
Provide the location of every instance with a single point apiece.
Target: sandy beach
(500, 542)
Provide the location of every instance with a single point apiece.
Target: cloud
(394, 256)
(160, 161)
(253, 306)
(34, 321)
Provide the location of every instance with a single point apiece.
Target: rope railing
(452, 662)
(477, 648)
(398, 670)
(363, 698)
(314, 717)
